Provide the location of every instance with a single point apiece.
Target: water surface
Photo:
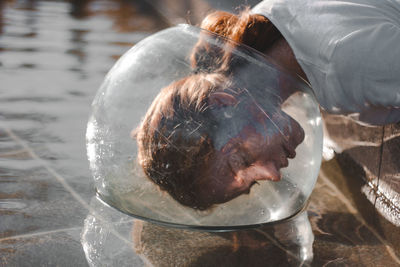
(53, 58)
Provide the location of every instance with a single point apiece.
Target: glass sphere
(191, 129)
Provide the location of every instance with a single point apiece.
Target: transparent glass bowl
(127, 93)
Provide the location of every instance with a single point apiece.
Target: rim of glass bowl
(206, 228)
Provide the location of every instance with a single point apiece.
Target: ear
(222, 99)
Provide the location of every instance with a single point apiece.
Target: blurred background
(53, 57)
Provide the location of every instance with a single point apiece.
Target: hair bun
(253, 30)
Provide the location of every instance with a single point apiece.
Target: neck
(282, 55)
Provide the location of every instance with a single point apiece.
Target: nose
(297, 133)
(290, 128)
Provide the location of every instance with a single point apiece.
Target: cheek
(222, 192)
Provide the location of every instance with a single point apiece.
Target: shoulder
(367, 63)
(349, 50)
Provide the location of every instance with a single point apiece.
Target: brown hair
(253, 30)
(174, 145)
(173, 142)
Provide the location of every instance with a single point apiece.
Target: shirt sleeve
(366, 66)
(349, 50)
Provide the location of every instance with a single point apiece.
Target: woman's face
(255, 149)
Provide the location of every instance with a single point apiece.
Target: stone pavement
(341, 237)
(369, 160)
(331, 231)
(376, 150)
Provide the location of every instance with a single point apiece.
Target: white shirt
(349, 50)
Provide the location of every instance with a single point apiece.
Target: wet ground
(53, 58)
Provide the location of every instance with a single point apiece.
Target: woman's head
(205, 139)
(173, 139)
(251, 143)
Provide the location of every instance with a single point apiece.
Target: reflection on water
(110, 239)
(53, 57)
(127, 16)
(106, 237)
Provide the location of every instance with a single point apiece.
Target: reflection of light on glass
(306, 253)
(275, 214)
(91, 151)
(305, 237)
(91, 146)
(90, 132)
(315, 121)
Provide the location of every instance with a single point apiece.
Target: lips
(267, 171)
(284, 163)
